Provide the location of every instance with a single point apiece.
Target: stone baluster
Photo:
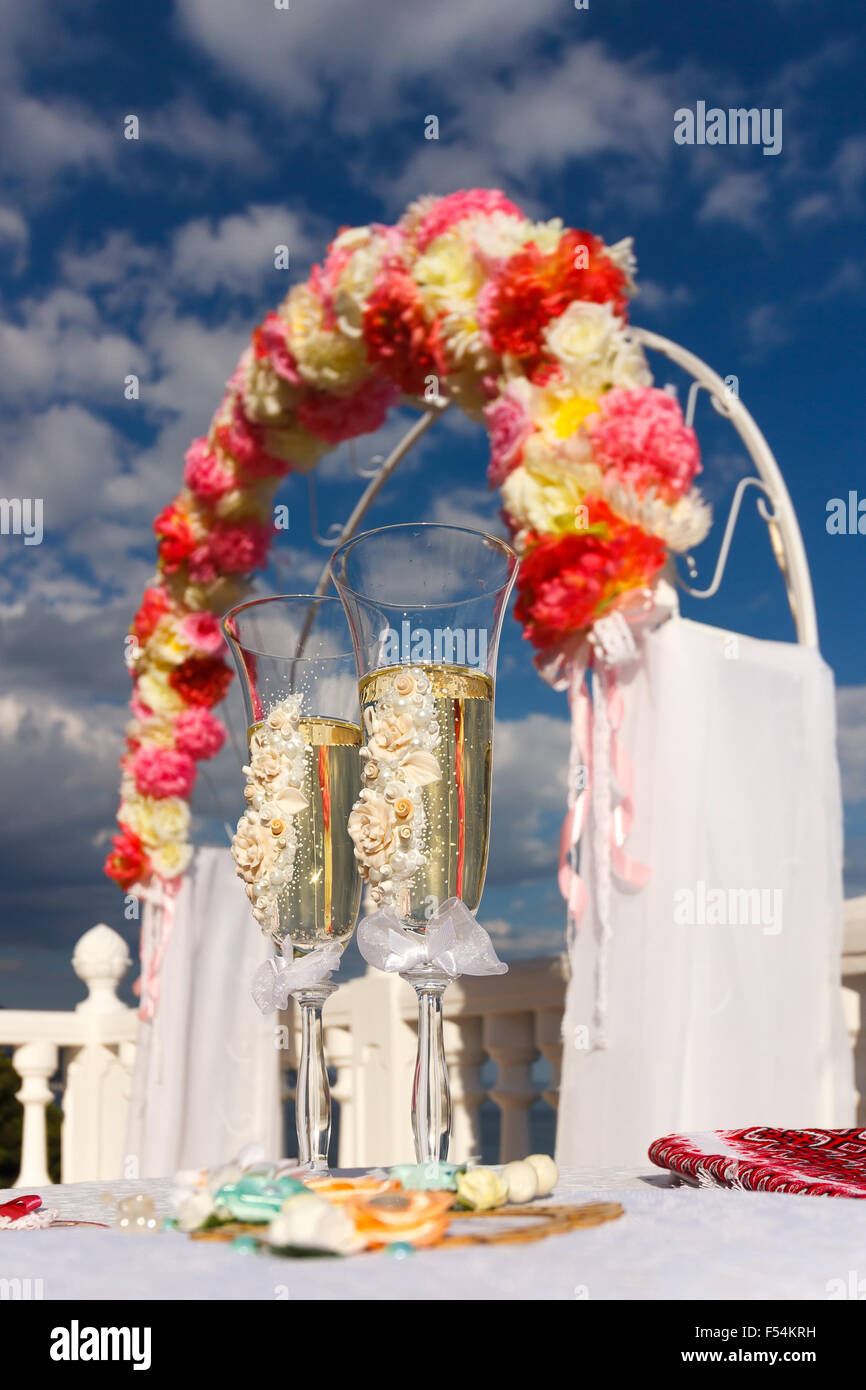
(464, 1053)
(509, 1038)
(96, 1097)
(338, 1052)
(548, 1038)
(35, 1063)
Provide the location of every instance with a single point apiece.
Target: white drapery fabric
(206, 1078)
(723, 972)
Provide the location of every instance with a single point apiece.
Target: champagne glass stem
(431, 1094)
(313, 1095)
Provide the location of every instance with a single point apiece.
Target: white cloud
(14, 238)
(741, 198)
(530, 761)
(236, 252)
(60, 347)
(662, 299)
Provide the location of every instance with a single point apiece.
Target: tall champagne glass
(297, 674)
(425, 604)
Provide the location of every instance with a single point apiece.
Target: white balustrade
(507, 1024)
(96, 1042)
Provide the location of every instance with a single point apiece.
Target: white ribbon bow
(456, 944)
(281, 976)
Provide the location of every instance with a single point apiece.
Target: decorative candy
(416, 1218)
(309, 1222)
(342, 1189)
(399, 1249)
(246, 1243)
(547, 1171)
(253, 1198)
(428, 1177)
(481, 1189)
(195, 1211)
(521, 1180)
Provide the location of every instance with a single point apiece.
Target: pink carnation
(162, 772)
(202, 631)
(336, 418)
(198, 733)
(139, 709)
(270, 340)
(245, 442)
(457, 206)
(510, 427)
(641, 437)
(204, 474)
(202, 566)
(240, 546)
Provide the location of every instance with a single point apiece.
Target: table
(673, 1242)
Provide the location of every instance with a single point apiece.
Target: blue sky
(261, 126)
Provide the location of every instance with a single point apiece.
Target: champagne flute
(425, 604)
(297, 675)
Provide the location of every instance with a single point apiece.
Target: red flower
(127, 863)
(201, 680)
(534, 287)
(397, 334)
(175, 536)
(564, 583)
(154, 605)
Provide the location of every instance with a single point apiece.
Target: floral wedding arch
(523, 326)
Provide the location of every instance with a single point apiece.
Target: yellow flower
(448, 274)
(543, 493)
(481, 1189)
(166, 644)
(297, 446)
(267, 396)
(157, 694)
(327, 360)
(170, 860)
(572, 414)
(157, 822)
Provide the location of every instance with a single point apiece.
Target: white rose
(371, 827)
(171, 860)
(169, 818)
(583, 334)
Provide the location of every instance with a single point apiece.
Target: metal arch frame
(785, 536)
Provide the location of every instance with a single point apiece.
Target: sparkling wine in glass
(425, 604)
(299, 684)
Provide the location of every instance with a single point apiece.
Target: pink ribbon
(626, 868)
(152, 953)
(600, 770)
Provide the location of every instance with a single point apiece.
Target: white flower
(157, 694)
(371, 828)
(583, 334)
(623, 256)
(330, 361)
(268, 397)
(156, 821)
(171, 860)
(251, 849)
(309, 1222)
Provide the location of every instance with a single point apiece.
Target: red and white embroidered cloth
(820, 1162)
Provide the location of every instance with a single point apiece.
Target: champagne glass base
(313, 1094)
(431, 1093)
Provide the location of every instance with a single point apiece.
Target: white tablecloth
(671, 1243)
